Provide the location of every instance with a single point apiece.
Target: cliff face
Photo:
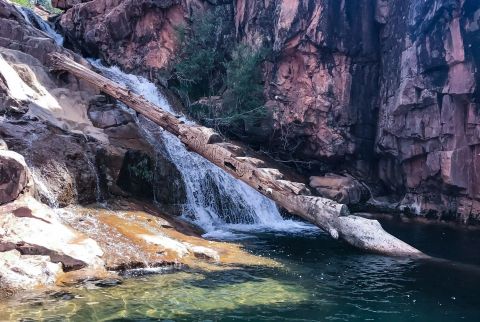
(428, 131)
(135, 34)
(322, 84)
(384, 88)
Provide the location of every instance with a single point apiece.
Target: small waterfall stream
(98, 189)
(32, 18)
(216, 201)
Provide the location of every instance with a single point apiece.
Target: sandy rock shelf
(43, 249)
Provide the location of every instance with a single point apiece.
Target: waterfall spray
(216, 201)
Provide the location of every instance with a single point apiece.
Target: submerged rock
(108, 282)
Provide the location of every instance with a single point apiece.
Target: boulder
(343, 189)
(26, 272)
(14, 175)
(108, 115)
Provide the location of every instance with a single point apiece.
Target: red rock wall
(384, 88)
(134, 34)
(322, 85)
(429, 124)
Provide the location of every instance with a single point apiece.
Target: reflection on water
(321, 280)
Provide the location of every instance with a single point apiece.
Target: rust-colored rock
(386, 89)
(428, 132)
(135, 34)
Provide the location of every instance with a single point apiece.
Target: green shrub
(209, 64)
(199, 64)
(24, 3)
(141, 170)
(243, 102)
(47, 4)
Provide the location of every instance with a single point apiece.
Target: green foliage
(141, 170)
(47, 4)
(244, 100)
(201, 54)
(24, 3)
(210, 65)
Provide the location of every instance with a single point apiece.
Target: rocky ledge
(43, 248)
(63, 147)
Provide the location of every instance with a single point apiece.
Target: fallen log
(329, 215)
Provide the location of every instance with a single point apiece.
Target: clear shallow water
(321, 280)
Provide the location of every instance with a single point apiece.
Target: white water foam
(33, 19)
(217, 202)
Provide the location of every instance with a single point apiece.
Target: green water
(321, 280)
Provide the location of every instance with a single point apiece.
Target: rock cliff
(428, 130)
(384, 89)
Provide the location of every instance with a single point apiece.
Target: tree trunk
(329, 215)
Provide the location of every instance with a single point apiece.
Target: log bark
(329, 215)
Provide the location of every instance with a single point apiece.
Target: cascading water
(216, 201)
(32, 18)
(98, 189)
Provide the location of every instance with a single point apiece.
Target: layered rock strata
(384, 89)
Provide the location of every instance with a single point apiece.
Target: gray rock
(14, 175)
(343, 189)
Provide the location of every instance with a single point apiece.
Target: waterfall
(216, 201)
(33, 19)
(43, 189)
(98, 189)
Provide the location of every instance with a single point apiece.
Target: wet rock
(106, 116)
(26, 272)
(14, 175)
(204, 253)
(108, 283)
(65, 296)
(59, 163)
(343, 189)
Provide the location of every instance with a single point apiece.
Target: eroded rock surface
(14, 175)
(428, 133)
(136, 34)
(387, 90)
(36, 247)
